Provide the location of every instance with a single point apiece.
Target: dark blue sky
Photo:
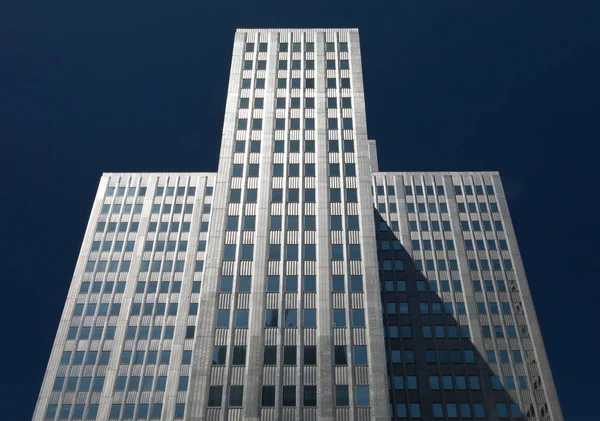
(89, 87)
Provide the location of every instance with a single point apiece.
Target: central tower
(293, 239)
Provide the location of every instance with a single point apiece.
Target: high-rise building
(298, 282)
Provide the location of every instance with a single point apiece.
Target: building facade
(298, 282)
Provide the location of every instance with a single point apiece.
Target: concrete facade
(295, 272)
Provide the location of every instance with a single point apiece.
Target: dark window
(236, 395)
(271, 318)
(270, 355)
(289, 355)
(190, 331)
(310, 395)
(341, 396)
(310, 355)
(340, 355)
(219, 354)
(215, 395)
(239, 355)
(268, 396)
(289, 395)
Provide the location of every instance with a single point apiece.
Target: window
(260, 83)
(268, 396)
(289, 355)
(239, 355)
(509, 381)
(247, 252)
(356, 283)
(358, 318)
(517, 357)
(346, 102)
(277, 195)
(310, 252)
(350, 170)
(291, 318)
(271, 318)
(236, 395)
(273, 283)
(52, 411)
(340, 355)
(291, 253)
(270, 355)
(498, 332)
(186, 358)
(161, 383)
(289, 395)
(275, 224)
(244, 283)
(241, 318)
(310, 318)
(337, 283)
(310, 283)
(502, 410)
(351, 195)
(223, 318)
(438, 411)
(362, 396)
(310, 396)
(183, 383)
(226, 284)
(360, 355)
(523, 382)
(339, 317)
(215, 396)
(337, 252)
(342, 397)
(485, 331)
(274, 251)
(310, 355)
(219, 354)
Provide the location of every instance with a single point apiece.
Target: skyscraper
(298, 282)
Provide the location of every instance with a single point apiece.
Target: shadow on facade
(424, 341)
